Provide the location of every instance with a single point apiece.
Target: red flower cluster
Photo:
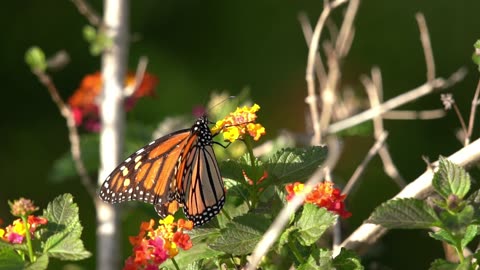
(152, 247)
(84, 101)
(15, 233)
(322, 195)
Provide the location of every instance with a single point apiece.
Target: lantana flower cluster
(239, 123)
(16, 233)
(152, 247)
(322, 195)
(85, 100)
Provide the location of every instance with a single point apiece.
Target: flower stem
(175, 263)
(29, 239)
(295, 252)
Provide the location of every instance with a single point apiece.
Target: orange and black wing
(148, 175)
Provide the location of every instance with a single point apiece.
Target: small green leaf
(196, 253)
(10, 260)
(474, 201)
(313, 222)
(451, 179)
(40, 264)
(470, 233)
(408, 213)
(64, 230)
(440, 264)
(347, 260)
(457, 222)
(444, 236)
(89, 33)
(319, 259)
(295, 164)
(237, 239)
(35, 58)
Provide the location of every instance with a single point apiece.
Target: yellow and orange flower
(152, 247)
(322, 195)
(239, 123)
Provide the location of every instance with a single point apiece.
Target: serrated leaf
(295, 164)
(10, 260)
(474, 201)
(255, 221)
(313, 222)
(451, 179)
(347, 260)
(470, 233)
(196, 253)
(319, 259)
(40, 264)
(457, 222)
(199, 235)
(64, 230)
(440, 264)
(237, 239)
(444, 236)
(407, 213)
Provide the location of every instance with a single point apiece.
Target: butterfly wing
(148, 175)
(199, 182)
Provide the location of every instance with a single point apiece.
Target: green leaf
(89, 33)
(64, 230)
(474, 201)
(347, 260)
(319, 259)
(237, 239)
(451, 179)
(10, 260)
(40, 264)
(458, 222)
(408, 213)
(444, 236)
(197, 252)
(313, 222)
(35, 58)
(295, 164)
(470, 233)
(441, 264)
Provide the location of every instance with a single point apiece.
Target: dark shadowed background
(196, 47)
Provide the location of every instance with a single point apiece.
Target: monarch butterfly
(179, 168)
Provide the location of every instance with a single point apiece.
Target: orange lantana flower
(322, 195)
(85, 100)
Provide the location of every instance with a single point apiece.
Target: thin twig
(307, 33)
(460, 118)
(414, 115)
(345, 36)
(72, 132)
(311, 100)
(427, 46)
(86, 10)
(139, 74)
(471, 120)
(368, 233)
(395, 102)
(374, 90)
(361, 168)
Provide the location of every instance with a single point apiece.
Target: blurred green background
(196, 47)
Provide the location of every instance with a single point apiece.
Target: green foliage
(35, 59)
(456, 219)
(98, 39)
(311, 225)
(476, 54)
(405, 213)
(60, 239)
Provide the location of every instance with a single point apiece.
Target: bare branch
(471, 120)
(311, 100)
(86, 10)
(395, 102)
(307, 33)
(139, 74)
(345, 37)
(367, 233)
(361, 168)
(414, 115)
(427, 46)
(72, 132)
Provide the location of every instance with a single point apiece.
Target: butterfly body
(179, 168)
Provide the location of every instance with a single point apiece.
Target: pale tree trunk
(114, 63)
